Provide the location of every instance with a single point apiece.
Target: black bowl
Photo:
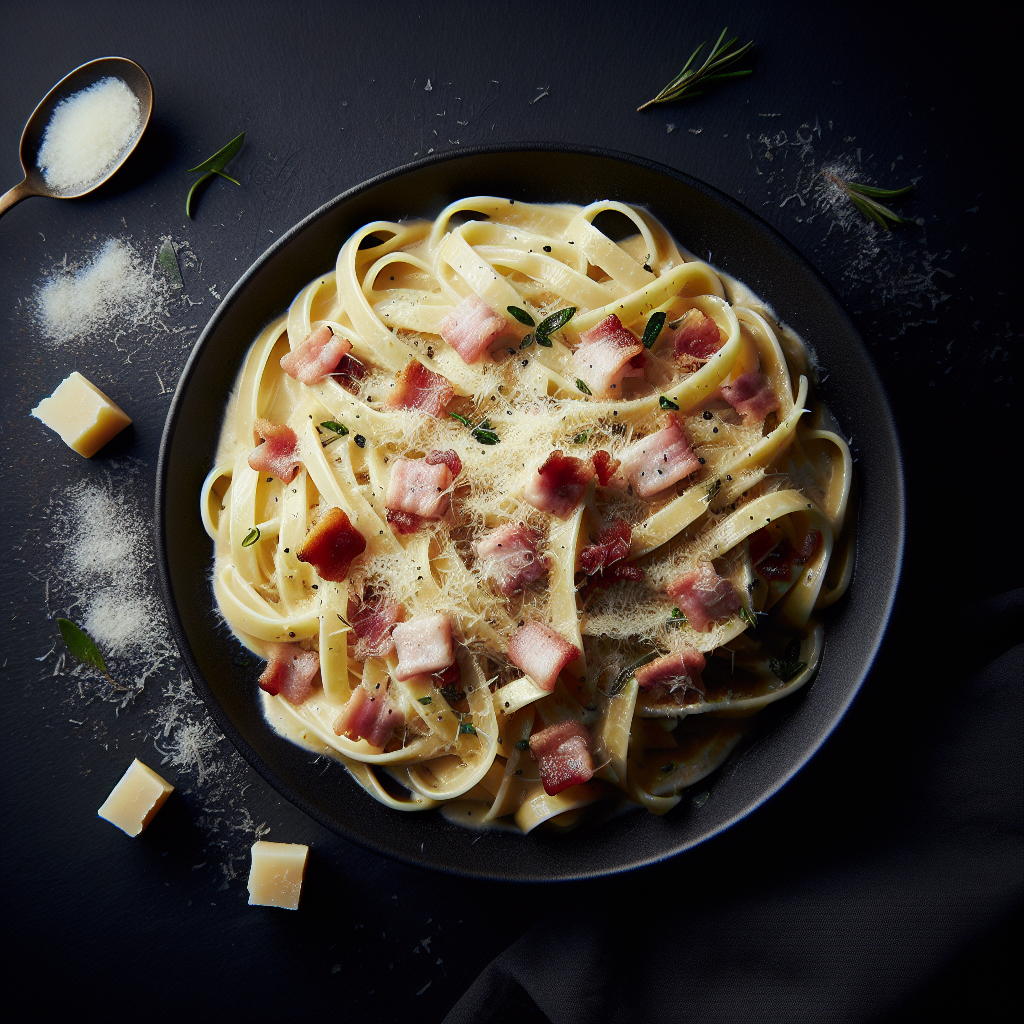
(709, 224)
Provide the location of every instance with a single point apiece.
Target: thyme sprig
(214, 167)
(865, 198)
(482, 432)
(682, 86)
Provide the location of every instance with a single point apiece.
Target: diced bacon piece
(317, 357)
(279, 452)
(605, 465)
(606, 355)
(348, 373)
(558, 485)
(673, 671)
(450, 677)
(751, 395)
(704, 597)
(419, 489)
(290, 672)
(563, 755)
(370, 717)
(659, 460)
(612, 546)
(404, 522)
(371, 622)
(622, 571)
(541, 653)
(331, 545)
(777, 563)
(449, 457)
(424, 645)
(472, 328)
(698, 336)
(416, 387)
(508, 556)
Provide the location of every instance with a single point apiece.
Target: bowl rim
(253, 758)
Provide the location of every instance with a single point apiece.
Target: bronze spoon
(31, 138)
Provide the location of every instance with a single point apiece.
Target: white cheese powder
(87, 134)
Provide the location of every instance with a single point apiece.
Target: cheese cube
(83, 416)
(275, 878)
(134, 801)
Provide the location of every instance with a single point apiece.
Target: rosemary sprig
(213, 167)
(681, 87)
(865, 198)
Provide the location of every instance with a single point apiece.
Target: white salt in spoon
(31, 138)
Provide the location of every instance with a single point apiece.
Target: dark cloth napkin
(883, 884)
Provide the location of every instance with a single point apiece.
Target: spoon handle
(15, 196)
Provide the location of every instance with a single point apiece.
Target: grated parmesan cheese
(112, 291)
(87, 135)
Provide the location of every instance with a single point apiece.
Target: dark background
(884, 881)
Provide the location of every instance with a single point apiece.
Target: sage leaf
(81, 646)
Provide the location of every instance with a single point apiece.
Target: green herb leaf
(523, 745)
(750, 620)
(583, 387)
(486, 436)
(865, 197)
(628, 672)
(167, 259)
(333, 425)
(544, 341)
(786, 670)
(81, 646)
(461, 419)
(467, 728)
(221, 158)
(452, 693)
(214, 166)
(581, 437)
(555, 322)
(677, 618)
(653, 328)
(712, 491)
(522, 316)
(425, 700)
(251, 537)
(682, 86)
(528, 341)
(667, 403)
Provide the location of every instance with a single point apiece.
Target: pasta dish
(524, 519)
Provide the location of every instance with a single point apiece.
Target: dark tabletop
(884, 881)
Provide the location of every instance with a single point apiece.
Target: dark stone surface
(100, 926)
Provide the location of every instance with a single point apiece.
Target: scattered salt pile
(113, 291)
(87, 134)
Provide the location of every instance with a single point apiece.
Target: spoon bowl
(32, 137)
